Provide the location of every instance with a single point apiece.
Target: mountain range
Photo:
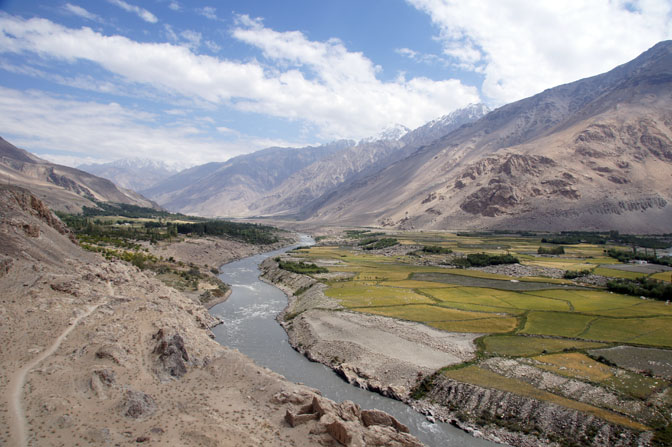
(61, 187)
(277, 181)
(131, 173)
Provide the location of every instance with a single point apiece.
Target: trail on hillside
(18, 434)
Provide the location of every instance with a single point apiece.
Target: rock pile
(346, 422)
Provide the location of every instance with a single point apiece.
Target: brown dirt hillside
(99, 353)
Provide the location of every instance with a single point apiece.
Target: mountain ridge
(425, 190)
(62, 187)
(131, 173)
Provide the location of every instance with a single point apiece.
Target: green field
(456, 299)
(519, 346)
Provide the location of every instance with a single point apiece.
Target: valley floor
(516, 352)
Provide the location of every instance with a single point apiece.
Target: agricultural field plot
(358, 296)
(643, 268)
(499, 300)
(559, 324)
(476, 278)
(616, 273)
(663, 276)
(560, 263)
(450, 320)
(580, 366)
(657, 361)
(653, 331)
(600, 302)
(415, 284)
(526, 346)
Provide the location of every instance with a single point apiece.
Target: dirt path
(17, 418)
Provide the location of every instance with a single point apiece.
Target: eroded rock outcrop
(523, 420)
(346, 422)
(137, 404)
(172, 355)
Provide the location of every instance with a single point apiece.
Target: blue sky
(198, 81)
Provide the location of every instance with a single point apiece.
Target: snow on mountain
(132, 173)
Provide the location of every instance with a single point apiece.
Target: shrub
(647, 287)
(435, 249)
(551, 250)
(381, 243)
(572, 274)
(483, 260)
(301, 267)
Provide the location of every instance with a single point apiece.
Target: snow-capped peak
(471, 112)
(394, 132)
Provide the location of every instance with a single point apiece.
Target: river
(249, 325)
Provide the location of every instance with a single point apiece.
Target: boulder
(377, 417)
(137, 405)
(172, 354)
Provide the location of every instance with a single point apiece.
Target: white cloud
(212, 46)
(420, 57)
(76, 132)
(339, 91)
(140, 12)
(317, 82)
(525, 46)
(81, 12)
(208, 12)
(193, 38)
(175, 6)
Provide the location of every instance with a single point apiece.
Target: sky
(189, 82)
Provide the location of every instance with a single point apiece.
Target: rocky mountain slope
(314, 184)
(61, 187)
(136, 174)
(96, 352)
(228, 188)
(592, 154)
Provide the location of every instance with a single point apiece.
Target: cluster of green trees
(377, 244)
(246, 232)
(359, 234)
(627, 256)
(521, 233)
(592, 237)
(126, 210)
(483, 260)
(560, 250)
(436, 250)
(569, 240)
(139, 259)
(300, 267)
(572, 274)
(118, 233)
(647, 287)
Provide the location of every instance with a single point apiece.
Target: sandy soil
(375, 352)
